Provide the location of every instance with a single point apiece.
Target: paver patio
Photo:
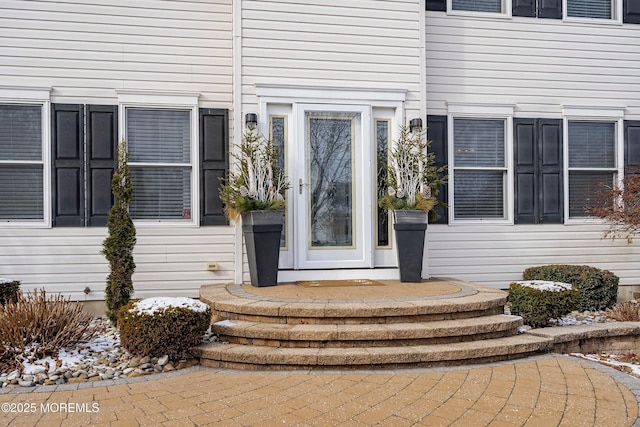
(549, 390)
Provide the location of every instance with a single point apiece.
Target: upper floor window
(490, 6)
(22, 166)
(480, 168)
(593, 160)
(592, 9)
(482, 6)
(159, 144)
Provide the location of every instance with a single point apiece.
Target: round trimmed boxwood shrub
(163, 326)
(598, 288)
(538, 301)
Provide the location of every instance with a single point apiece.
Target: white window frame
(34, 96)
(587, 114)
(482, 111)
(167, 101)
(616, 11)
(505, 14)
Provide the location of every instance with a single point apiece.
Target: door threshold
(337, 274)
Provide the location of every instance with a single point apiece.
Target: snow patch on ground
(159, 304)
(101, 347)
(224, 323)
(611, 360)
(544, 285)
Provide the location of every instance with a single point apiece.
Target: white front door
(332, 191)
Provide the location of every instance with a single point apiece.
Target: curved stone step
(368, 335)
(281, 358)
(233, 303)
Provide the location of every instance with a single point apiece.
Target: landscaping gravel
(100, 359)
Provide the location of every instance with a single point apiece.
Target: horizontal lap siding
(169, 261)
(85, 51)
(497, 255)
(536, 64)
(356, 44)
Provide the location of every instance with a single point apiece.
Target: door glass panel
(278, 132)
(382, 156)
(330, 146)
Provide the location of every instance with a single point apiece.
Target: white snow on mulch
(610, 360)
(544, 285)
(159, 304)
(102, 346)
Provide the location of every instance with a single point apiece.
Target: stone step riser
(367, 343)
(417, 318)
(377, 366)
(410, 356)
(369, 335)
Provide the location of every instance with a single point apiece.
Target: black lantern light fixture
(251, 120)
(415, 125)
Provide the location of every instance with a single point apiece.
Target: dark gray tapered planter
(262, 230)
(410, 226)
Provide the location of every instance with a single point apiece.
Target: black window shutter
(102, 142)
(631, 146)
(437, 5)
(214, 163)
(524, 8)
(67, 138)
(551, 171)
(631, 11)
(538, 171)
(550, 9)
(437, 134)
(526, 182)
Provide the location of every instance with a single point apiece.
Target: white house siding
(85, 51)
(336, 44)
(537, 65)
(361, 44)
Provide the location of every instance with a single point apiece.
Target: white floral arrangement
(411, 179)
(259, 183)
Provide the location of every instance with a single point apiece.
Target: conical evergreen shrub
(118, 246)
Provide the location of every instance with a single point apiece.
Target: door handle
(300, 185)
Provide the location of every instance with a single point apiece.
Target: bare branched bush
(36, 326)
(628, 311)
(619, 206)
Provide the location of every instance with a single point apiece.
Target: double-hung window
(592, 9)
(23, 169)
(480, 172)
(159, 143)
(593, 160)
(161, 133)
